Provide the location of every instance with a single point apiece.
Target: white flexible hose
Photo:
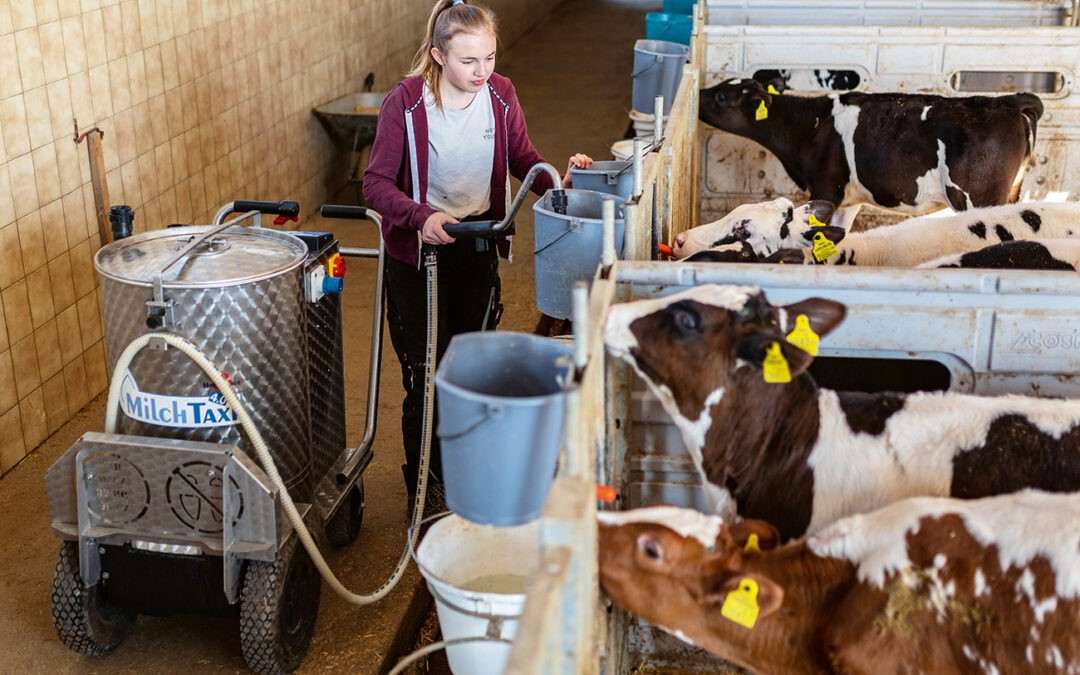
(267, 461)
(412, 658)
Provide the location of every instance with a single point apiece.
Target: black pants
(469, 288)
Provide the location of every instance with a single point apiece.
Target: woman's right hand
(433, 232)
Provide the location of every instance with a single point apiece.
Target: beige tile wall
(202, 102)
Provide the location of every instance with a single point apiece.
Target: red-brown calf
(925, 585)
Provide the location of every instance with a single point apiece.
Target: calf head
(674, 568)
(766, 228)
(692, 345)
(732, 105)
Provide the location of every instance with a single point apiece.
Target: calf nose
(680, 241)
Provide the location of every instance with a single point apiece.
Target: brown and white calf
(801, 457)
(924, 585)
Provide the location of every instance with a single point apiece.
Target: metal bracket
(159, 314)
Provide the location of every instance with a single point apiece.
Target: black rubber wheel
(344, 526)
(84, 619)
(279, 603)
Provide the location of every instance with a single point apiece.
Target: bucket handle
(656, 60)
(573, 226)
(491, 412)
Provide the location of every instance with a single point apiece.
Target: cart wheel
(279, 602)
(344, 526)
(84, 619)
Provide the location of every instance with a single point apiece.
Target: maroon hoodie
(395, 182)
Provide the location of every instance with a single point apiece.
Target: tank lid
(233, 256)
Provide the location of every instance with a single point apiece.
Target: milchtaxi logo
(174, 411)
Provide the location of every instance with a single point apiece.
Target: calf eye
(687, 320)
(650, 548)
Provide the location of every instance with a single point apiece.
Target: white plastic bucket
(455, 553)
(623, 149)
(643, 122)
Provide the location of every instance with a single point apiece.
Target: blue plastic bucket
(568, 246)
(500, 401)
(679, 6)
(658, 66)
(614, 178)
(669, 27)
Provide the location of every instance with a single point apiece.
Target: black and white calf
(910, 242)
(1043, 254)
(765, 227)
(911, 153)
(780, 218)
(801, 457)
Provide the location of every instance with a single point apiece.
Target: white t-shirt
(461, 149)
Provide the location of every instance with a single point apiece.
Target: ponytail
(447, 19)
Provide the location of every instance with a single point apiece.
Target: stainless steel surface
(325, 353)
(241, 302)
(238, 255)
(186, 495)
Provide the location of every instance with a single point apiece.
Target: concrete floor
(572, 74)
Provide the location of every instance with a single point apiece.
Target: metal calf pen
(970, 330)
(565, 627)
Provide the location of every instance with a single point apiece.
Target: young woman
(447, 140)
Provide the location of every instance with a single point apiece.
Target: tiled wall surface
(202, 102)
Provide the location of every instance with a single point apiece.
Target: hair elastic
(457, 2)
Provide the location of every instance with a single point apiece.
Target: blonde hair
(448, 18)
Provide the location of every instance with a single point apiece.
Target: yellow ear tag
(772, 90)
(740, 605)
(762, 112)
(823, 248)
(752, 544)
(775, 365)
(803, 336)
(814, 222)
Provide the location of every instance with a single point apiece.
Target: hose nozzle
(558, 201)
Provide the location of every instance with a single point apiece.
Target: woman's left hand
(581, 161)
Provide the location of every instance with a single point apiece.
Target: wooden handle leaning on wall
(97, 179)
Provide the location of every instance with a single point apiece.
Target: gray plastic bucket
(500, 401)
(568, 246)
(657, 71)
(614, 178)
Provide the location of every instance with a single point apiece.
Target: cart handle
(344, 211)
(285, 210)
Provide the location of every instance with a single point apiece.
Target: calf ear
(824, 315)
(778, 84)
(755, 348)
(832, 233)
(768, 595)
(765, 536)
